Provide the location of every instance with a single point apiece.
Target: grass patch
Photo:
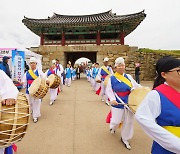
(169, 52)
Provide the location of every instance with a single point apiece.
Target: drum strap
(32, 74)
(105, 69)
(123, 79)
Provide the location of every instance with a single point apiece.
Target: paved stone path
(75, 124)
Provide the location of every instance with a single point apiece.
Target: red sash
(170, 93)
(104, 76)
(58, 67)
(108, 118)
(98, 91)
(52, 71)
(30, 82)
(122, 94)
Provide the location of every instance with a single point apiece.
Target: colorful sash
(58, 67)
(173, 129)
(123, 93)
(123, 79)
(105, 69)
(52, 71)
(32, 74)
(170, 93)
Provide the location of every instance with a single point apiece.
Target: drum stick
(128, 104)
(125, 105)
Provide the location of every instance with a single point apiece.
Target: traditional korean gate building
(92, 36)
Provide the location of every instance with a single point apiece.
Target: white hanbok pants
(68, 81)
(88, 78)
(103, 91)
(73, 77)
(53, 94)
(61, 84)
(93, 83)
(125, 116)
(1, 150)
(35, 105)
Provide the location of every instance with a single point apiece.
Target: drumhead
(51, 79)
(136, 97)
(34, 86)
(106, 80)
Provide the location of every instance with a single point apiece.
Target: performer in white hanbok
(61, 70)
(102, 74)
(8, 93)
(73, 73)
(118, 88)
(88, 74)
(53, 92)
(94, 73)
(68, 75)
(159, 113)
(91, 76)
(28, 79)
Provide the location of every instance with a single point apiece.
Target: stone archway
(73, 56)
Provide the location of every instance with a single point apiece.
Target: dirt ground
(75, 124)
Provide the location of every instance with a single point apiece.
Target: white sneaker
(107, 103)
(112, 131)
(102, 100)
(51, 103)
(35, 120)
(126, 144)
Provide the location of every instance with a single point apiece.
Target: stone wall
(130, 54)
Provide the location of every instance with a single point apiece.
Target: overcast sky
(159, 30)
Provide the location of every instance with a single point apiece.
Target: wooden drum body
(14, 121)
(136, 97)
(38, 88)
(55, 81)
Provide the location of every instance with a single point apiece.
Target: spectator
(137, 72)
(78, 72)
(26, 67)
(4, 66)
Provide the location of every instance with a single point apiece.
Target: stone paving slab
(75, 124)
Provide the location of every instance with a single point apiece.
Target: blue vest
(103, 73)
(68, 73)
(73, 72)
(95, 72)
(49, 72)
(120, 87)
(170, 116)
(28, 77)
(9, 150)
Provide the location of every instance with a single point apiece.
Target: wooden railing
(87, 41)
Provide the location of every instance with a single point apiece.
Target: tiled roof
(104, 18)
